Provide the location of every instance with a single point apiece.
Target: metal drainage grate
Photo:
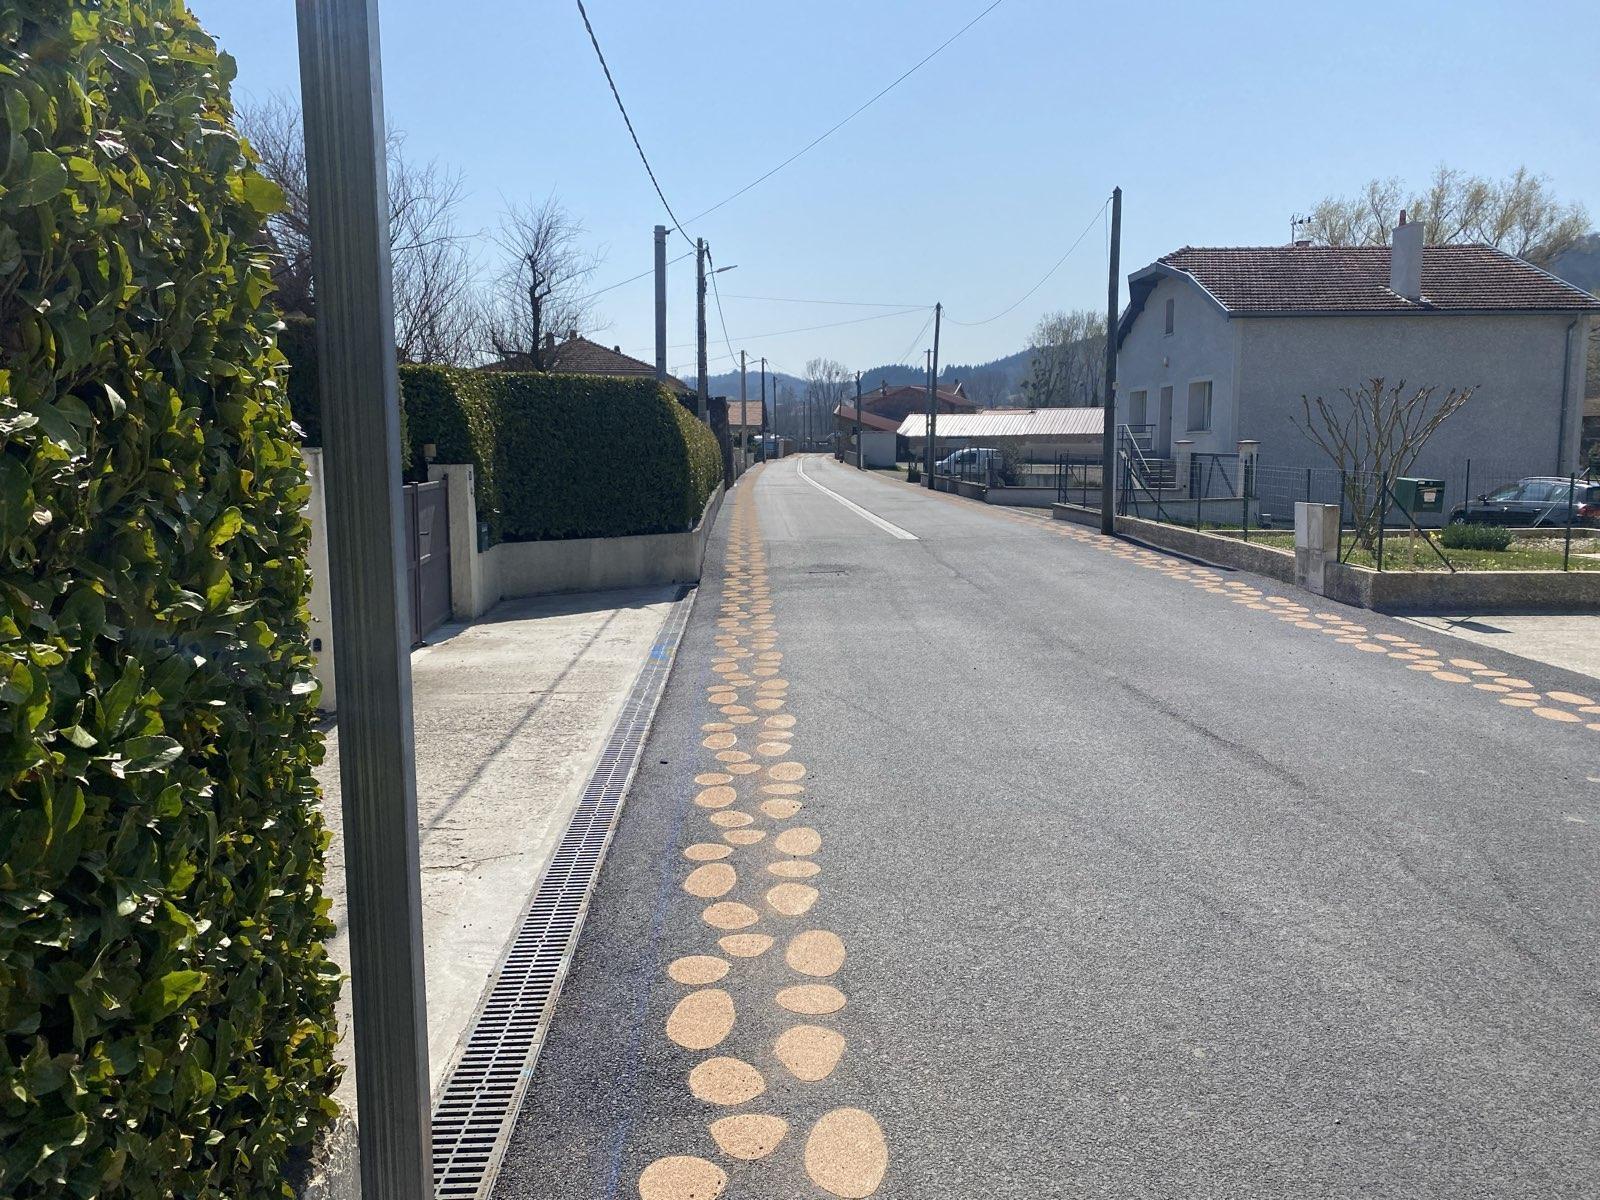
(485, 1088)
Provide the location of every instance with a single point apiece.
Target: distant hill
(1581, 264)
(990, 384)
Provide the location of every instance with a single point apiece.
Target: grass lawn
(1525, 554)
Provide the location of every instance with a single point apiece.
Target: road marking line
(887, 526)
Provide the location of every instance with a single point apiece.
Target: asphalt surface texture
(1148, 886)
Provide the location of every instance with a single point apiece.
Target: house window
(1139, 408)
(1200, 406)
(1171, 304)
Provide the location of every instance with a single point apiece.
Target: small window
(1171, 304)
(1200, 406)
(1139, 408)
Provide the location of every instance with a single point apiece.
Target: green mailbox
(1419, 495)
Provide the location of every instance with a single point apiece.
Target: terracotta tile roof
(847, 414)
(1256, 280)
(580, 356)
(753, 413)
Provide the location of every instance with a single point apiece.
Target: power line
(844, 303)
(631, 279)
(835, 129)
(628, 121)
(812, 328)
(909, 350)
(717, 294)
(1076, 243)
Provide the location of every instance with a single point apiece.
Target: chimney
(1405, 260)
(572, 335)
(550, 340)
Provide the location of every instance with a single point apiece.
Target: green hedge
(564, 456)
(166, 1006)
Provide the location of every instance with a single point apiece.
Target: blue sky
(970, 179)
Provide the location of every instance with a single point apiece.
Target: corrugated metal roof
(1010, 423)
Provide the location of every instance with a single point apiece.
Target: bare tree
(986, 387)
(543, 246)
(1375, 436)
(433, 274)
(1069, 360)
(828, 385)
(1517, 214)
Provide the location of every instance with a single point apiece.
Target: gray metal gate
(427, 508)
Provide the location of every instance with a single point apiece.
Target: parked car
(975, 462)
(1541, 500)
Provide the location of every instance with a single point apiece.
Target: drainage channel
(485, 1088)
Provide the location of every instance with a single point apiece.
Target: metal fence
(1246, 498)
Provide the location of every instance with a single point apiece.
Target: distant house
(1033, 434)
(1217, 346)
(886, 406)
(579, 356)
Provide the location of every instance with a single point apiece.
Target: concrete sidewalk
(510, 714)
(1570, 642)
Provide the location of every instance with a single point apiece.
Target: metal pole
(661, 303)
(1383, 513)
(763, 409)
(1566, 550)
(933, 388)
(927, 423)
(700, 312)
(1108, 435)
(744, 418)
(342, 96)
(859, 456)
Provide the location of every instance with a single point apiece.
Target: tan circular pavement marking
(744, 768)
(796, 899)
(809, 1052)
(1491, 687)
(682, 1177)
(1422, 666)
(816, 952)
(768, 704)
(794, 868)
(1533, 696)
(744, 837)
(1517, 702)
(707, 852)
(1556, 714)
(732, 756)
(783, 789)
(726, 1081)
(735, 710)
(719, 796)
(1466, 664)
(745, 945)
(710, 881)
(731, 819)
(811, 999)
(1372, 647)
(1451, 677)
(749, 1136)
(716, 727)
(800, 840)
(772, 749)
(780, 722)
(786, 772)
(1570, 698)
(1489, 673)
(744, 720)
(697, 970)
(780, 810)
(730, 914)
(723, 697)
(846, 1154)
(701, 1019)
(1519, 684)
(712, 778)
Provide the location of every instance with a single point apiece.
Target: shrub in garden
(166, 1006)
(1475, 537)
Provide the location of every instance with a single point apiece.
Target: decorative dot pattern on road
(1553, 706)
(753, 785)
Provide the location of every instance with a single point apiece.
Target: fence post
(1344, 486)
(1466, 500)
(1244, 521)
(1383, 512)
(1566, 549)
(1308, 485)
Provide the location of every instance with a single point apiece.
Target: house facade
(1217, 347)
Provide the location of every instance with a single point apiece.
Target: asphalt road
(1148, 886)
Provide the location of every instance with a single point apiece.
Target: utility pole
(927, 420)
(933, 390)
(661, 303)
(534, 309)
(763, 410)
(744, 419)
(341, 82)
(700, 337)
(1108, 437)
(858, 421)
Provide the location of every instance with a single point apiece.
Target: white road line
(887, 526)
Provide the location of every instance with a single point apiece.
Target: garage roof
(1009, 423)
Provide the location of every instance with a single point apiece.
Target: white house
(1217, 347)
